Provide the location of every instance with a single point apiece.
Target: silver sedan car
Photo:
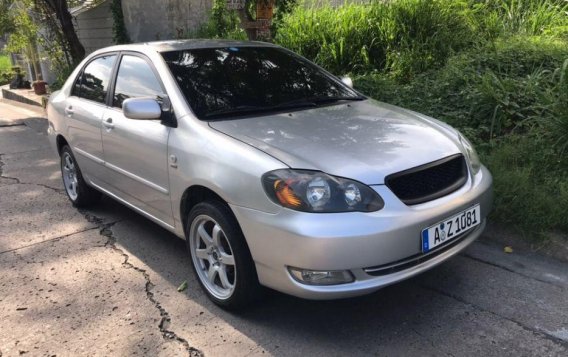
(275, 172)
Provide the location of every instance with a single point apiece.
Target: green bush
(6, 74)
(62, 74)
(510, 85)
(403, 37)
(526, 17)
(221, 24)
(4, 62)
(531, 184)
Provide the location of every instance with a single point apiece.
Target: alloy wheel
(70, 176)
(212, 257)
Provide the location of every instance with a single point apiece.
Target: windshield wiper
(292, 104)
(320, 100)
(251, 109)
(241, 109)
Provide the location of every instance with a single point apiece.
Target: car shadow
(408, 314)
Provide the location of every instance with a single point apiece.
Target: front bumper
(356, 241)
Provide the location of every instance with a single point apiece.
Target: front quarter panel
(228, 167)
(56, 118)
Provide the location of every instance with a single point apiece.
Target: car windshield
(232, 81)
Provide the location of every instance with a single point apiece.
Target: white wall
(148, 20)
(94, 27)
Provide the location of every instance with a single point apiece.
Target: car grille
(428, 182)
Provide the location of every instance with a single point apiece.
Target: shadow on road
(411, 315)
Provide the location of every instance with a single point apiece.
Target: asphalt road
(104, 282)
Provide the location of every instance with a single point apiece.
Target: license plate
(450, 228)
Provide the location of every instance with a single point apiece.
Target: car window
(94, 80)
(135, 79)
(222, 80)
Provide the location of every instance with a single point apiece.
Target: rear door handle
(108, 124)
(69, 111)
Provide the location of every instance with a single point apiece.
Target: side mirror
(141, 108)
(347, 81)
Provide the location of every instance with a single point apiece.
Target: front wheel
(220, 256)
(80, 194)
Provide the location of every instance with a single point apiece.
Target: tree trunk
(61, 11)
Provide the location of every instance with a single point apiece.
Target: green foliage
(526, 17)
(531, 184)
(508, 86)
(6, 19)
(557, 124)
(63, 73)
(282, 8)
(7, 72)
(6, 76)
(119, 33)
(221, 24)
(403, 37)
(24, 33)
(5, 63)
(408, 37)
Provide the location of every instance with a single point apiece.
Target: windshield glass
(220, 82)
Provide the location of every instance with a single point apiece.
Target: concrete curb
(7, 94)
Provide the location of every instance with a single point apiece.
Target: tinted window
(95, 79)
(220, 80)
(135, 79)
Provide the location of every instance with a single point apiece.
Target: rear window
(224, 80)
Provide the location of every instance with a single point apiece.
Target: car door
(84, 110)
(135, 151)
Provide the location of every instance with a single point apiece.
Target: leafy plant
(119, 32)
(402, 37)
(221, 24)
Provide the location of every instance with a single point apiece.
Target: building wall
(148, 20)
(94, 27)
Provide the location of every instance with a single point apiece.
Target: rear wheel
(80, 194)
(221, 259)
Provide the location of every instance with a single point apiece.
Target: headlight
(474, 161)
(313, 191)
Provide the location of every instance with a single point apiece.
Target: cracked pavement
(104, 282)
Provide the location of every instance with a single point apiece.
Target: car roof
(177, 45)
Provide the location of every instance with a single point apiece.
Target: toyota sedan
(275, 172)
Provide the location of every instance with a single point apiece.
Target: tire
(223, 266)
(79, 193)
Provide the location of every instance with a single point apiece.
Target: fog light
(319, 277)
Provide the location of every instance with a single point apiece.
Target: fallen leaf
(182, 287)
(508, 249)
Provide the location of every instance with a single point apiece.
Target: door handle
(69, 111)
(108, 124)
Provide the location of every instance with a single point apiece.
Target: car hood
(365, 141)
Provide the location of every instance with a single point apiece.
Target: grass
(402, 37)
(531, 184)
(5, 62)
(5, 69)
